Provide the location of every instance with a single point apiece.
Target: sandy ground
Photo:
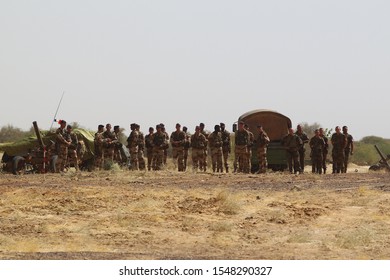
(169, 215)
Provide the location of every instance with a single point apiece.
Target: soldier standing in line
(149, 147)
(348, 149)
(132, 144)
(325, 150)
(166, 147)
(187, 145)
(317, 145)
(117, 145)
(72, 149)
(206, 135)
(98, 144)
(141, 148)
(159, 145)
(262, 143)
(241, 139)
(249, 151)
(339, 142)
(302, 149)
(177, 140)
(198, 144)
(292, 143)
(62, 144)
(109, 144)
(226, 149)
(215, 145)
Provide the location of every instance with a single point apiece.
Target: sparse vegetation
(160, 215)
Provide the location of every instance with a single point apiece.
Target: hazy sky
(195, 61)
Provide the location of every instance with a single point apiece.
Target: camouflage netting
(23, 146)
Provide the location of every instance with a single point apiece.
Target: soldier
(241, 139)
(262, 143)
(198, 144)
(302, 149)
(348, 149)
(165, 148)
(98, 144)
(72, 149)
(149, 147)
(159, 145)
(206, 134)
(226, 149)
(317, 145)
(249, 150)
(141, 148)
(325, 150)
(292, 143)
(117, 145)
(62, 144)
(109, 144)
(339, 142)
(215, 145)
(132, 145)
(187, 145)
(177, 140)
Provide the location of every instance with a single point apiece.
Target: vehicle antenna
(58, 107)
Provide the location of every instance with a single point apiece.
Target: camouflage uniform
(249, 151)
(72, 149)
(317, 145)
(132, 144)
(62, 144)
(292, 143)
(98, 144)
(205, 152)
(198, 144)
(117, 146)
(177, 141)
(159, 144)
(302, 149)
(215, 144)
(149, 147)
(339, 142)
(347, 151)
(242, 142)
(109, 144)
(187, 145)
(324, 151)
(226, 149)
(141, 148)
(262, 143)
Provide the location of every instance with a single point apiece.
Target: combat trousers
(262, 157)
(198, 158)
(293, 161)
(178, 157)
(216, 159)
(241, 158)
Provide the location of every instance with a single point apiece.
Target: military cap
(116, 126)
(100, 126)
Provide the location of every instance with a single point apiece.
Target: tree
(9, 133)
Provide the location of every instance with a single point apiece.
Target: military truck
(276, 125)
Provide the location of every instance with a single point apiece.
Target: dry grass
(171, 215)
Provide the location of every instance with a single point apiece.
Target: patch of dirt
(171, 215)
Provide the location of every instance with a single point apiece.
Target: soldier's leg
(180, 160)
(346, 159)
(219, 161)
(225, 160)
(185, 158)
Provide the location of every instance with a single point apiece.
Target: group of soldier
(155, 144)
(342, 143)
(69, 148)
